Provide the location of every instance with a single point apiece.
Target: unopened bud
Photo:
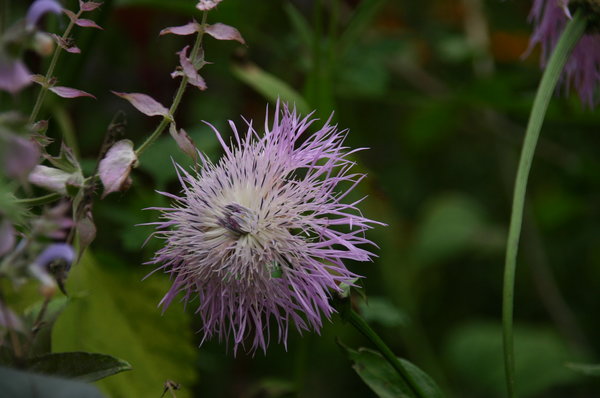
(43, 44)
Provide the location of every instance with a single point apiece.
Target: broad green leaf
(381, 310)
(450, 225)
(112, 311)
(585, 369)
(19, 384)
(385, 381)
(474, 352)
(83, 366)
(271, 87)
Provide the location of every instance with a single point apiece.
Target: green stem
(569, 38)
(40, 200)
(40, 98)
(178, 95)
(362, 326)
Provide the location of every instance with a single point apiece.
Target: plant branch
(569, 38)
(363, 327)
(44, 89)
(178, 95)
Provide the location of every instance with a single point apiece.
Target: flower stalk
(569, 38)
(178, 95)
(363, 327)
(44, 89)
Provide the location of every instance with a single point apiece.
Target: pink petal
(86, 233)
(67, 92)
(205, 5)
(189, 70)
(66, 44)
(88, 5)
(18, 155)
(183, 30)
(87, 23)
(184, 141)
(144, 103)
(70, 14)
(7, 237)
(114, 169)
(10, 320)
(224, 32)
(14, 75)
(50, 178)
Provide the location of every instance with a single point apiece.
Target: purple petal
(19, 156)
(114, 169)
(67, 92)
(39, 8)
(224, 32)
(14, 75)
(88, 5)
(183, 30)
(57, 251)
(184, 141)
(144, 103)
(189, 70)
(205, 5)
(7, 237)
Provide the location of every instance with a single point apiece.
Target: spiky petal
(583, 67)
(260, 237)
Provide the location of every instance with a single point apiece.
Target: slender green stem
(569, 38)
(40, 200)
(362, 326)
(40, 98)
(178, 95)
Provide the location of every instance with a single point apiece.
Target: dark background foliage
(440, 93)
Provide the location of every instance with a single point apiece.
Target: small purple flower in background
(583, 67)
(14, 75)
(261, 236)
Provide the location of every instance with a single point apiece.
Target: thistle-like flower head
(260, 237)
(583, 67)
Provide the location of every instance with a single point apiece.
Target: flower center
(237, 219)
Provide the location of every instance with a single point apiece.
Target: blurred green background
(439, 92)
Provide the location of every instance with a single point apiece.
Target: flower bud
(43, 44)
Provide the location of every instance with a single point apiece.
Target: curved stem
(40, 98)
(569, 38)
(178, 95)
(40, 200)
(362, 326)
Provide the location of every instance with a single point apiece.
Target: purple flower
(583, 67)
(39, 8)
(259, 238)
(14, 75)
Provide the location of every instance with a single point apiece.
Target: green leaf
(300, 24)
(474, 352)
(381, 310)
(271, 87)
(361, 18)
(19, 384)
(83, 366)
(383, 379)
(585, 369)
(114, 312)
(450, 225)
